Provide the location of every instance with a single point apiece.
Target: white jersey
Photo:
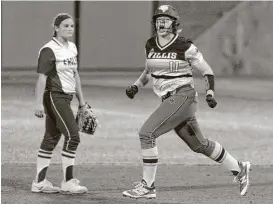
(59, 63)
(171, 65)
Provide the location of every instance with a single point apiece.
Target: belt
(170, 77)
(59, 92)
(171, 93)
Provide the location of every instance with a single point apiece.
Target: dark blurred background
(235, 37)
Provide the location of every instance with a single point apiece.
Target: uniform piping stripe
(43, 152)
(150, 161)
(44, 157)
(169, 116)
(68, 156)
(221, 155)
(69, 136)
(223, 158)
(70, 152)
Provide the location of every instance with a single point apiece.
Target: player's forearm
(79, 93)
(142, 80)
(208, 75)
(204, 68)
(40, 88)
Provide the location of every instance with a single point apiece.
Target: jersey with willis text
(59, 63)
(171, 65)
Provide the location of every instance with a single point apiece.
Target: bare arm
(79, 93)
(39, 92)
(143, 79)
(131, 91)
(40, 88)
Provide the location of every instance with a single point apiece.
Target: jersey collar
(58, 42)
(167, 45)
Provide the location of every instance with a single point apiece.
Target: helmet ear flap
(153, 25)
(175, 26)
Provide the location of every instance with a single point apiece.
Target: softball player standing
(57, 83)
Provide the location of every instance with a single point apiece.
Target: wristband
(209, 80)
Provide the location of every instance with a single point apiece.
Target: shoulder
(150, 42)
(47, 50)
(49, 46)
(184, 40)
(184, 43)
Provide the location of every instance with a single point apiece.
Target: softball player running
(57, 83)
(169, 60)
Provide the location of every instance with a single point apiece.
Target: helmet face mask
(166, 16)
(164, 25)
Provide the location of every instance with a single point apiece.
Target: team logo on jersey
(163, 8)
(163, 55)
(70, 61)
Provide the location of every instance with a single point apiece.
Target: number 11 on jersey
(174, 66)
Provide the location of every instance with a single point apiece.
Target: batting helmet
(170, 11)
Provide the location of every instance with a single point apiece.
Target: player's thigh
(51, 130)
(190, 132)
(169, 114)
(52, 135)
(65, 119)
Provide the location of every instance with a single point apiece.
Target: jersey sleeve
(46, 61)
(193, 55)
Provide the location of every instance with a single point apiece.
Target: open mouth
(161, 27)
(162, 30)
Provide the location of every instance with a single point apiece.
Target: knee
(49, 143)
(205, 148)
(147, 140)
(72, 142)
